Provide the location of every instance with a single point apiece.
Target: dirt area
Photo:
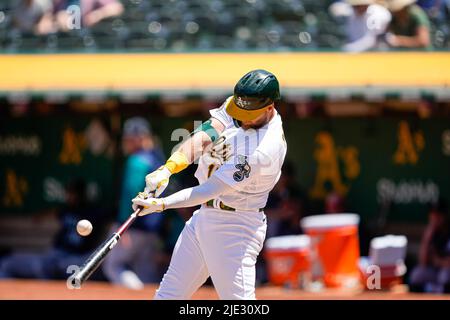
(57, 290)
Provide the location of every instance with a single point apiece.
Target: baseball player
(240, 151)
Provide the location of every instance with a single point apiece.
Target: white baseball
(84, 227)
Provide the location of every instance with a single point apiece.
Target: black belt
(223, 206)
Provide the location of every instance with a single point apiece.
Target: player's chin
(252, 125)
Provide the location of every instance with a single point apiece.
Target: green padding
(208, 129)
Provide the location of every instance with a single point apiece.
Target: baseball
(84, 227)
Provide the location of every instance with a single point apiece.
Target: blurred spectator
(410, 26)
(62, 15)
(34, 16)
(433, 272)
(334, 203)
(437, 10)
(69, 248)
(93, 11)
(285, 205)
(174, 220)
(134, 261)
(431, 7)
(364, 22)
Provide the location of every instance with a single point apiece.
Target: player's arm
(420, 40)
(222, 182)
(188, 197)
(208, 132)
(187, 153)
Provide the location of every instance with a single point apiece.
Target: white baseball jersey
(255, 166)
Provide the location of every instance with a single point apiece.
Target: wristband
(177, 162)
(207, 128)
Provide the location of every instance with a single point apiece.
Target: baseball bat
(97, 257)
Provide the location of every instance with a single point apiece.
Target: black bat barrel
(93, 262)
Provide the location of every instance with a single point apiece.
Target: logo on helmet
(242, 103)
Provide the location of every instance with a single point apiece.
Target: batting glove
(150, 205)
(220, 152)
(157, 181)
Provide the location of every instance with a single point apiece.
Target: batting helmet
(253, 93)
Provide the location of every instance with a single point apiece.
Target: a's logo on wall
(410, 144)
(243, 167)
(16, 188)
(72, 147)
(336, 166)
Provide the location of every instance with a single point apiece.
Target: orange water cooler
(335, 248)
(288, 259)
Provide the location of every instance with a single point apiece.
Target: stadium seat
(215, 24)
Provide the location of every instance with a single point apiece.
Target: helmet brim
(241, 114)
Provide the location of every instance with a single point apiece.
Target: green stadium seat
(203, 24)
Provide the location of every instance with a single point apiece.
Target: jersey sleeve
(221, 113)
(250, 174)
(419, 17)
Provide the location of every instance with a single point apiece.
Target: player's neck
(271, 115)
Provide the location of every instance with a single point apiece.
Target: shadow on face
(260, 121)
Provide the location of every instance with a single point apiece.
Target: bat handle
(133, 216)
(129, 221)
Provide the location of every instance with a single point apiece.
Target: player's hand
(157, 181)
(150, 205)
(221, 149)
(220, 152)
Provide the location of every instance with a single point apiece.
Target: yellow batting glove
(158, 180)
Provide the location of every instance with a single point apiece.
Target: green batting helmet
(253, 93)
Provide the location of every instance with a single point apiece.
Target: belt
(223, 206)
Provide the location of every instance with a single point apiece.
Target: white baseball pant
(217, 243)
